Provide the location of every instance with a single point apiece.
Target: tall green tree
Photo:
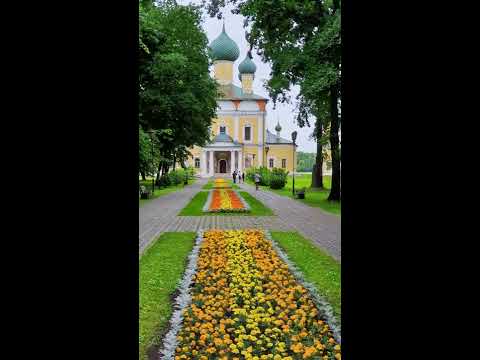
(301, 40)
(177, 96)
(305, 161)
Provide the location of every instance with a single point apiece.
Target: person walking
(234, 176)
(243, 177)
(257, 181)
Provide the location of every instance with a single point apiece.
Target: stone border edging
(182, 300)
(244, 202)
(320, 301)
(206, 206)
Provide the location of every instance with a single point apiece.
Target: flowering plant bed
(221, 184)
(242, 299)
(225, 200)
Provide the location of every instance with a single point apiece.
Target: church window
(270, 163)
(248, 133)
(284, 163)
(197, 163)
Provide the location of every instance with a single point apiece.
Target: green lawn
(209, 185)
(195, 206)
(161, 191)
(161, 267)
(318, 267)
(163, 264)
(313, 197)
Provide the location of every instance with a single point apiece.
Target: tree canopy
(301, 40)
(177, 96)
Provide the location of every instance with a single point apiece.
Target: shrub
(250, 173)
(263, 172)
(278, 178)
(164, 181)
(177, 176)
(190, 172)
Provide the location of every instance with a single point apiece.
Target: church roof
(224, 48)
(247, 66)
(233, 92)
(222, 138)
(273, 139)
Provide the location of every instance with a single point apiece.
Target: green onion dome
(224, 48)
(247, 66)
(278, 128)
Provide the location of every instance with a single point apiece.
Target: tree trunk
(160, 165)
(143, 175)
(317, 171)
(334, 144)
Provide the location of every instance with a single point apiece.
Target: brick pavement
(160, 215)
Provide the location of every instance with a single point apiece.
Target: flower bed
(225, 200)
(221, 184)
(246, 304)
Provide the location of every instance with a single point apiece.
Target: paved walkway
(160, 215)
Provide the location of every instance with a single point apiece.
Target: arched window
(197, 163)
(270, 163)
(284, 163)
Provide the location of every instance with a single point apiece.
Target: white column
(232, 161)
(260, 156)
(240, 163)
(236, 126)
(210, 171)
(203, 163)
(260, 130)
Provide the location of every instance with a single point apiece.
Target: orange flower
(241, 285)
(309, 351)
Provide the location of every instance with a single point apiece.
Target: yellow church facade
(240, 138)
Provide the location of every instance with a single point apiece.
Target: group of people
(240, 175)
(241, 178)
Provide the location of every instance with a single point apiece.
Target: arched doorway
(223, 166)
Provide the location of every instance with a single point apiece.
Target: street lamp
(294, 137)
(266, 153)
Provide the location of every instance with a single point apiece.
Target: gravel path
(160, 215)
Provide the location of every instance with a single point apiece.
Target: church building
(240, 138)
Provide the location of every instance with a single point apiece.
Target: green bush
(190, 172)
(278, 178)
(250, 173)
(263, 172)
(164, 181)
(177, 176)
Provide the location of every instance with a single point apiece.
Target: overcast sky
(283, 112)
